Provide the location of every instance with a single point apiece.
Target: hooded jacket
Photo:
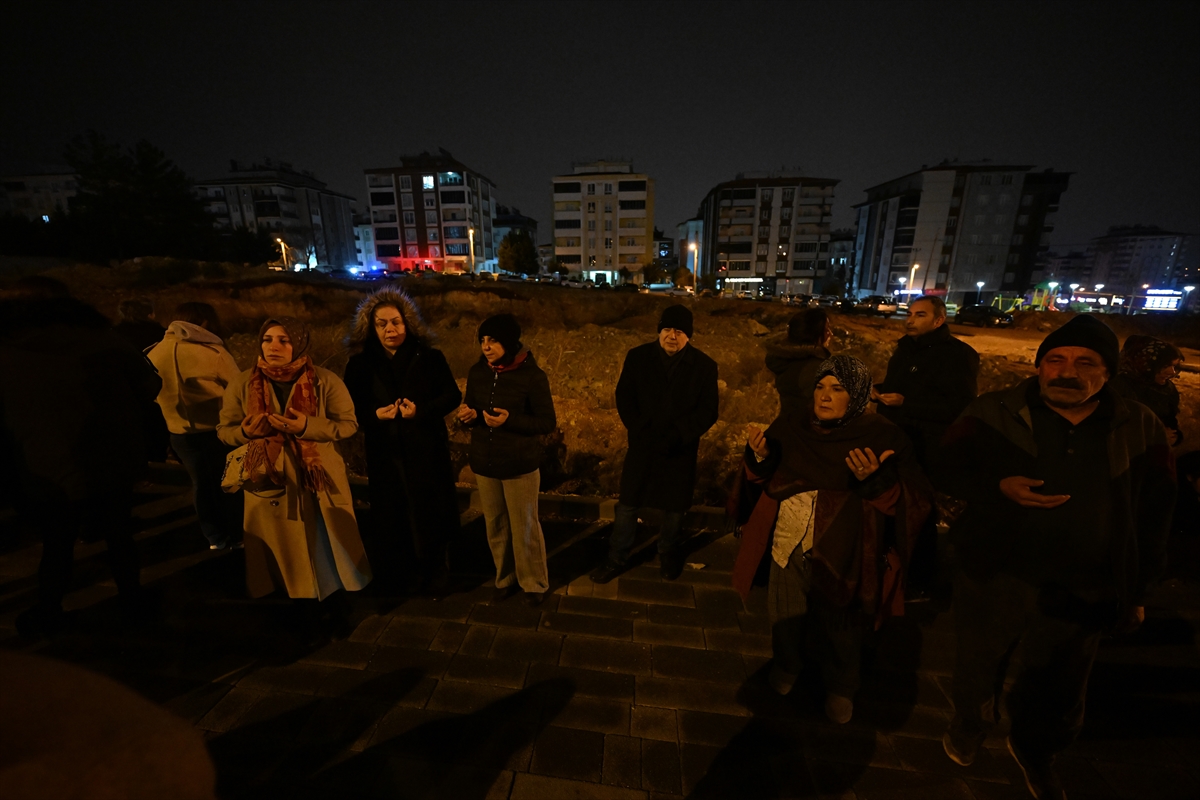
(195, 368)
(795, 369)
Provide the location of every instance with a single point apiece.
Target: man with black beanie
(1069, 490)
(667, 399)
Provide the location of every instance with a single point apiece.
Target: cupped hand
(293, 422)
(756, 440)
(407, 408)
(466, 414)
(497, 419)
(863, 463)
(1019, 489)
(256, 426)
(387, 412)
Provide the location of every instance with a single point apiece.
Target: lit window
(426, 181)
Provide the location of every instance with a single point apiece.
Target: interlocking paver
(491, 671)
(391, 659)
(226, 713)
(721, 698)
(510, 613)
(680, 635)
(528, 646)
(478, 640)
(348, 655)
(658, 592)
(566, 752)
(592, 683)
(693, 617)
(449, 637)
(369, 629)
(415, 633)
(623, 761)
(594, 714)
(528, 786)
(738, 642)
(653, 723)
(704, 665)
(702, 727)
(607, 656)
(461, 697)
(603, 607)
(601, 627)
(660, 766)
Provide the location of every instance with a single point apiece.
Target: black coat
(938, 376)
(665, 414)
(795, 369)
(524, 392)
(410, 456)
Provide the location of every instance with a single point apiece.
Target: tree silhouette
(518, 253)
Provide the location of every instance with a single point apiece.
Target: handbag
(234, 477)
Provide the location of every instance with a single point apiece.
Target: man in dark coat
(667, 399)
(930, 380)
(1069, 490)
(72, 398)
(795, 360)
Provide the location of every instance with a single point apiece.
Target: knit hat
(296, 330)
(505, 329)
(855, 378)
(1084, 331)
(677, 317)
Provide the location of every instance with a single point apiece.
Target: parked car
(744, 294)
(983, 316)
(626, 287)
(876, 304)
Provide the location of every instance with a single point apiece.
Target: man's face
(1071, 376)
(922, 318)
(672, 340)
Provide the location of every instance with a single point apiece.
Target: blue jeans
(625, 527)
(219, 513)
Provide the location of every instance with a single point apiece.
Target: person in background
(195, 369)
(667, 399)
(507, 407)
(842, 503)
(72, 395)
(1069, 490)
(300, 531)
(795, 359)
(1145, 373)
(403, 389)
(136, 325)
(930, 379)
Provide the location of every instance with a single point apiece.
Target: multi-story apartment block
(315, 222)
(1130, 258)
(364, 243)
(432, 212)
(511, 219)
(769, 231)
(689, 244)
(38, 196)
(965, 231)
(603, 220)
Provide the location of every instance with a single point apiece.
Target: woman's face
(492, 350)
(276, 346)
(389, 327)
(1166, 373)
(830, 399)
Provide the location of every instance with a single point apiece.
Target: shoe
(839, 709)
(606, 572)
(502, 593)
(670, 564)
(534, 599)
(961, 753)
(1041, 781)
(40, 622)
(781, 681)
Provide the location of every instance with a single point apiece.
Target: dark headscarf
(297, 331)
(1143, 356)
(855, 378)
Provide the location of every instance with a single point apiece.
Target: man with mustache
(1069, 491)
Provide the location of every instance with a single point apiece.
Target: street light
(912, 277)
(471, 238)
(1099, 286)
(1053, 290)
(282, 252)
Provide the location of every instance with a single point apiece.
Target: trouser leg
(842, 632)
(115, 520)
(922, 566)
(624, 529)
(787, 608)
(528, 542)
(496, 520)
(203, 457)
(670, 535)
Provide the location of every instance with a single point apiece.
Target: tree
(682, 276)
(652, 273)
(518, 253)
(626, 274)
(707, 282)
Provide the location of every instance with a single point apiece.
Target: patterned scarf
(262, 454)
(1144, 356)
(855, 378)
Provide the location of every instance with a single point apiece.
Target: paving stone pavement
(636, 689)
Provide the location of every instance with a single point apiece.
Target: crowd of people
(1057, 492)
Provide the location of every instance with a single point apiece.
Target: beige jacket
(195, 368)
(282, 540)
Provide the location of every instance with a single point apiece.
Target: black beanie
(677, 317)
(505, 329)
(1084, 331)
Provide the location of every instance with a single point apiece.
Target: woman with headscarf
(508, 406)
(1145, 373)
(843, 501)
(403, 389)
(301, 533)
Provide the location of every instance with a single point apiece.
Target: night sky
(692, 92)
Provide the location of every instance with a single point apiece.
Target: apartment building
(432, 212)
(38, 195)
(964, 231)
(315, 222)
(603, 220)
(767, 232)
(1129, 258)
(511, 219)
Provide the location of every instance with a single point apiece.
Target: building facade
(432, 212)
(964, 231)
(841, 262)
(689, 244)
(1131, 258)
(767, 232)
(38, 196)
(364, 243)
(603, 221)
(315, 222)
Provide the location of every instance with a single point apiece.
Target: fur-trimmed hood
(388, 296)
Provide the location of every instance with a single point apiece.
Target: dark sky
(692, 92)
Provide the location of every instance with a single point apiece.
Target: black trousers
(1055, 645)
(109, 518)
(404, 544)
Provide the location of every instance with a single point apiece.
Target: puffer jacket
(524, 391)
(195, 368)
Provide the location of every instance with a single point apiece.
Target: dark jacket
(938, 376)
(993, 439)
(795, 368)
(524, 391)
(665, 414)
(408, 455)
(73, 399)
(1162, 400)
